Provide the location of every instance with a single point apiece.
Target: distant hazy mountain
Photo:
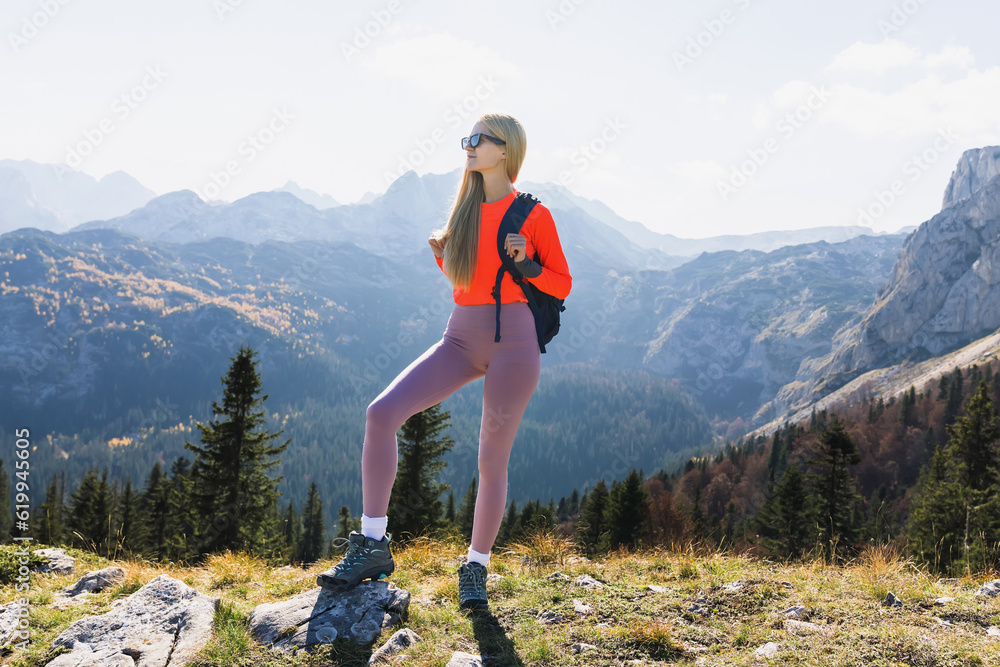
(55, 198)
(943, 292)
(311, 197)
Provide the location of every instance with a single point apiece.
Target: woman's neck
(496, 187)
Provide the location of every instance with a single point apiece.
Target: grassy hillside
(627, 623)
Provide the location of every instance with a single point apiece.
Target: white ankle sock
(482, 559)
(373, 527)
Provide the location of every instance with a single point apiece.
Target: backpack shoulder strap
(511, 223)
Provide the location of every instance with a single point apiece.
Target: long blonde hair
(461, 233)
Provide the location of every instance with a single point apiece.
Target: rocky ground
(548, 606)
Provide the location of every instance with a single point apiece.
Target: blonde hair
(461, 232)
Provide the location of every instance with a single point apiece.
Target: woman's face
(487, 155)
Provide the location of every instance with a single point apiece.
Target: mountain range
(120, 328)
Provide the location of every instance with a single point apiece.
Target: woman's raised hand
(437, 245)
(516, 246)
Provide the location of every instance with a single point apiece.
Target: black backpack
(544, 307)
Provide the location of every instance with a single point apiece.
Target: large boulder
(318, 616)
(163, 624)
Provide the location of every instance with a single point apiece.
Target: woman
(466, 251)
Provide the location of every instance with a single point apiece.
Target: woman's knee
(382, 413)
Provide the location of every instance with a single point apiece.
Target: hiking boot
(365, 558)
(472, 586)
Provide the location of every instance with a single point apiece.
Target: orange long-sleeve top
(539, 229)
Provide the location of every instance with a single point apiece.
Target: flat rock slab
(92, 582)
(163, 624)
(59, 561)
(463, 659)
(319, 616)
(990, 589)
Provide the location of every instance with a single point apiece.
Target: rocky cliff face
(975, 169)
(943, 292)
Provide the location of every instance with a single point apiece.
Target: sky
(695, 119)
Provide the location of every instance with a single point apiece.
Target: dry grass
(627, 620)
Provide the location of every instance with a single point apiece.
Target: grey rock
(940, 602)
(318, 616)
(976, 168)
(700, 609)
(990, 589)
(400, 640)
(657, 589)
(993, 631)
(9, 620)
(587, 581)
(558, 576)
(768, 650)
(892, 601)
(463, 659)
(492, 578)
(581, 608)
(580, 647)
(733, 587)
(59, 561)
(94, 581)
(803, 627)
(163, 624)
(795, 611)
(547, 617)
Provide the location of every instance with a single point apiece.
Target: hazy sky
(697, 119)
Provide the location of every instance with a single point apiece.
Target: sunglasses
(474, 140)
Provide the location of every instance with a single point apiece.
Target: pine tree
(90, 512)
(345, 524)
(52, 512)
(311, 548)
(467, 510)
(153, 512)
(180, 537)
(955, 513)
(449, 508)
(628, 512)
(292, 524)
(937, 514)
(836, 493)
(415, 506)
(508, 526)
(592, 527)
(128, 520)
(783, 521)
(574, 502)
(232, 490)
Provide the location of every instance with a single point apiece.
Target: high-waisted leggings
(466, 351)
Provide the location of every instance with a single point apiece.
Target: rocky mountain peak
(976, 168)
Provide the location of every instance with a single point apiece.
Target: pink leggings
(466, 351)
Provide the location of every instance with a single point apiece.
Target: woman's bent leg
(510, 380)
(431, 378)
